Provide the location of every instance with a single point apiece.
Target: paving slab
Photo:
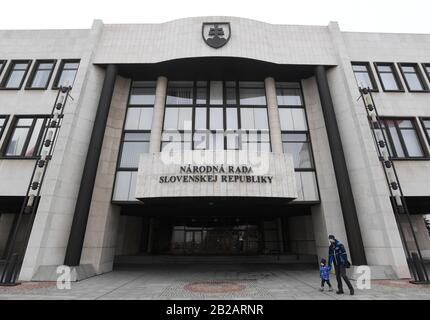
(207, 282)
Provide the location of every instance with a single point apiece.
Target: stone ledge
(77, 273)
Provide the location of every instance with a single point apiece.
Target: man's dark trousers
(340, 271)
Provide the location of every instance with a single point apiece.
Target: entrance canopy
(216, 68)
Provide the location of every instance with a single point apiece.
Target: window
(299, 145)
(296, 139)
(66, 73)
(125, 186)
(135, 139)
(426, 125)
(179, 93)
(3, 122)
(403, 140)
(41, 74)
(413, 78)
(388, 76)
(215, 115)
(292, 119)
(2, 65)
(15, 74)
(364, 75)
(133, 145)
(140, 106)
(142, 93)
(25, 137)
(252, 93)
(179, 118)
(426, 67)
(288, 94)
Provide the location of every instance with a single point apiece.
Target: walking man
(338, 256)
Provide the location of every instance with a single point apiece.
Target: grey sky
(365, 15)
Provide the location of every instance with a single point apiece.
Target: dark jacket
(337, 254)
(325, 272)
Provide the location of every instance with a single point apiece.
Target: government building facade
(212, 137)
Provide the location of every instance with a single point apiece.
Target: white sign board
(216, 174)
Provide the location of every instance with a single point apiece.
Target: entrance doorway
(216, 236)
(219, 236)
(193, 230)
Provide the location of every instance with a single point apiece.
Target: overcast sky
(411, 16)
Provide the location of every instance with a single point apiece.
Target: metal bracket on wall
(398, 201)
(15, 252)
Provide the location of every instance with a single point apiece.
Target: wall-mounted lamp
(48, 138)
(36, 180)
(54, 120)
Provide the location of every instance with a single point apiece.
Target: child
(325, 275)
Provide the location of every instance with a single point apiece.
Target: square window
(292, 119)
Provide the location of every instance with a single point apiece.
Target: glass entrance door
(217, 236)
(193, 241)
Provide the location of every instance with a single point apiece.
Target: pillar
(158, 115)
(273, 113)
(83, 202)
(346, 197)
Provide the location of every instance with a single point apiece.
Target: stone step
(170, 259)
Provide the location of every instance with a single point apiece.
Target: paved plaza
(211, 282)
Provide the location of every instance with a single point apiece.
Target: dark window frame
(308, 141)
(368, 66)
(308, 133)
(240, 131)
(34, 71)
(427, 73)
(133, 86)
(387, 133)
(118, 167)
(9, 71)
(395, 73)
(277, 87)
(3, 64)
(3, 128)
(125, 131)
(11, 131)
(426, 133)
(421, 79)
(61, 69)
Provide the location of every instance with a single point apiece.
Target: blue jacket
(325, 272)
(337, 254)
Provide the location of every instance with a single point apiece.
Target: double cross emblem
(216, 34)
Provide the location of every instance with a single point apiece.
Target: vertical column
(158, 115)
(346, 197)
(83, 202)
(273, 113)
